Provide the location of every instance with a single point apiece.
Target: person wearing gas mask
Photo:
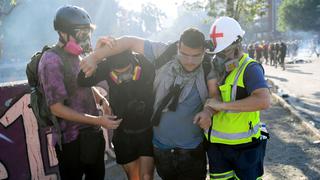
(130, 79)
(182, 85)
(237, 142)
(83, 144)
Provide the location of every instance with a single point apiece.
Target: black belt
(134, 131)
(181, 150)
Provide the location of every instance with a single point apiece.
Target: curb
(296, 115)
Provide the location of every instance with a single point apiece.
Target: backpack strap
(207, 66)
(66, 66)
(34, 81)
(156, 116)
(167, 55)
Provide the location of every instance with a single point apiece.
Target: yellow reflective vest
(229, 127)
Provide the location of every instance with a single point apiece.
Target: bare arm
(213, 88)
(258, 100)
(88, 64)
(203, 119)
(213, 93)
(121, 44)
(62, 111)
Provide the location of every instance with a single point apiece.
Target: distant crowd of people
(272, 53)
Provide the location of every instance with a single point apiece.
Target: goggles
(82, 34)
(195, 60)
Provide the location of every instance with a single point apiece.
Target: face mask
(73, 48)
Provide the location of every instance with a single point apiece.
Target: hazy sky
(167, 6)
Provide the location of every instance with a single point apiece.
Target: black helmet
(69, 18)
(120, 60)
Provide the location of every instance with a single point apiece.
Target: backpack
(44, 117)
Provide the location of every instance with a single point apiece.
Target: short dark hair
(192, 38)
(120, 60)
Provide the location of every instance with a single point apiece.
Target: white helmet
(223, 32)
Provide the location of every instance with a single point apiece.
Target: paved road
(291, 151)
(301, 82)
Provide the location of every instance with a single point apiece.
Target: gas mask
(81, 44)
(223, 63)
(83, 37)
(124, 77)
(222, 60)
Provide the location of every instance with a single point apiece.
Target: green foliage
(246, 10)
(299, 15)
(13, 2)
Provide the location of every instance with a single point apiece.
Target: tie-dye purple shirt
(81, 99)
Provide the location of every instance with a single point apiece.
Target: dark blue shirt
(253, 77)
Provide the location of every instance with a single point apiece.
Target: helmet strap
(61, 39)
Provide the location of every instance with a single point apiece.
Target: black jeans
(181, 164)
(83, 156)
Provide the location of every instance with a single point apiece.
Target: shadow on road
(317, 94)
(290, 150)
(278, 78)
(297, 71)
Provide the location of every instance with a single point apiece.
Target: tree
(151, 17)
(299, 15)
(247, 10)
(129, 22)
(6, 6)
(143, 23)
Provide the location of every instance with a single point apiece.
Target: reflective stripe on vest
(230, 127)
(235, 136)
(234, 86)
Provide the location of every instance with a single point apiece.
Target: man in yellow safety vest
(237, 143)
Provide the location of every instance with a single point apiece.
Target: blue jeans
(181, 164)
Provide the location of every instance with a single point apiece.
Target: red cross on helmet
(223, 32)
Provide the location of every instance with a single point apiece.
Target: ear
(238, 50)
(64, 36)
